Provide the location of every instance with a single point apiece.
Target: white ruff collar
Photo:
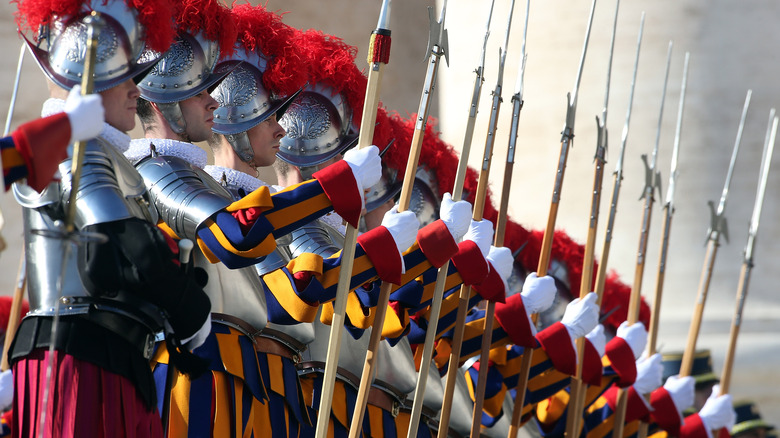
(140, 149)
(116, 138)
(235, 178)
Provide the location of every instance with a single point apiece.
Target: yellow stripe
(295, 212)
(260, 198)
(375, 420)
(393, 326)
(222, 409)
(251, 425)
(277, 375)
(207, 252)
(179, 417)
(264, 248)
(339, 406)
(283, 290)
(230, 352)
(12, 158)
(326, 317)
(306, 262)
(356, 312)
(168, 230)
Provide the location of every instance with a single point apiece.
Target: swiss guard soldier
(122, 284)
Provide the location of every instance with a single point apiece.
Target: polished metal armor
(184, 196)
(351, 357)
(317, 237)
(244, 102)
(110, 190)
(120, 44)
(186, 69)
(395, 367)
(432, 398)
(318, 125)
(425, 199)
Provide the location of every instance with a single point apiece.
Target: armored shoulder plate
(184, 198)
(318, 238)
(110, 189)
(395, 366)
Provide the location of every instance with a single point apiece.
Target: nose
(211, 103)
(133, 92)
(279, 131)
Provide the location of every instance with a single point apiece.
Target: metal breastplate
(462, 406)
(235, 292)
(434, 391)
(303, 332)
(317, 238)
(183, 195)
(353, 351)
(395, 366)
(110, 190)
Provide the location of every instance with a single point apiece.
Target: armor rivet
(65, 300)
(149, 83)
(162, 86)
(175, 85)
(242, 116)
(189, 82)
(254, 110)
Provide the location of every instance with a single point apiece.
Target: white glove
(635, 335)
(455, 215)
(581, 316)
(681, 389)
(481, 233)
(718, 411)
(538, 293)
(85, 113)
(402, 226)
(199, 337)
(6, 390)
(598, 339)
(366, 166)
(502, 261)
(649, 374)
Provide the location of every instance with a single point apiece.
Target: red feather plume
(212, 18)
(156, 15)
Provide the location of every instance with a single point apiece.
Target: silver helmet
(244, 102)
(388, 186)
(187, 68)
(319, 127)
(61, 50)
(425, 199)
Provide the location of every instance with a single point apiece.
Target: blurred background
(732, 49)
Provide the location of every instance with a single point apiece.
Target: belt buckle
(396, 409)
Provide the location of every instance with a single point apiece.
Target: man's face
(119, 103)
(198, 113)
(264, 139)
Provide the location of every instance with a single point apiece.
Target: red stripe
(591, 365)
(470, 263)
(436, 243)
(557, 344)
(665, 413)
(514, 320)
(622, 359)
(381, 250)
(339, 184)
(43, 143)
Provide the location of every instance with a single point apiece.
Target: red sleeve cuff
(637, 408)
(471, 264)
(693, 427)
(665, 413)
(622, 359)
(43, 144)
(492, 287)
(557, 344)
(591, 365)
(436, 243)
(514, 320)
(340, 186)
(381, 250)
